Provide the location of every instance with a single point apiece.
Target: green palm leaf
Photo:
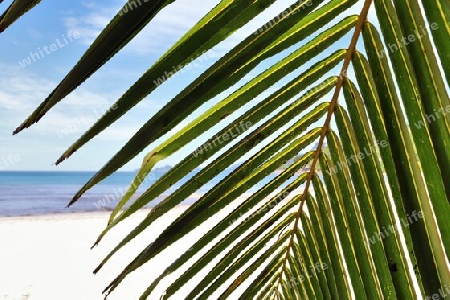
(15, 11)
(370, 168)
(207, 86)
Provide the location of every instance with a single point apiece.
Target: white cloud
(171, 23)
(21, 92)
(121, 133)
(91, 24)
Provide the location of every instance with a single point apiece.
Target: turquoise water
(34, 193)
(37, 193)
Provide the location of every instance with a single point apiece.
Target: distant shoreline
(77, 214)
(90, 213)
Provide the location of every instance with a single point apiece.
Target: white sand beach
(49, 257)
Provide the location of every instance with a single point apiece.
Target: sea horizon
(30, 193)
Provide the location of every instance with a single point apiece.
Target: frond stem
(334, 101)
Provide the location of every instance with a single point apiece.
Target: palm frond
(327, 225)
(17, 9)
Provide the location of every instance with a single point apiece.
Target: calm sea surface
(37, 193)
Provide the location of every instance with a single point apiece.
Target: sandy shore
(49, 257)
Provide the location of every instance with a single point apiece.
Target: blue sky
(23, 88)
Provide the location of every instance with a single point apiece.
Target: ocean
(40, 193)
(37, 193)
